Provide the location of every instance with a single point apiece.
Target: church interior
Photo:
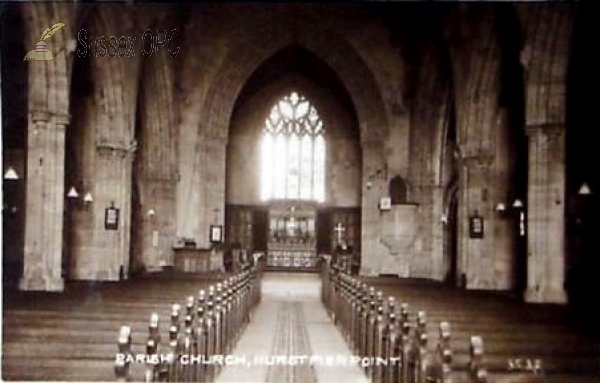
(438, 151)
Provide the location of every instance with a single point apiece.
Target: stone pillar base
(367, 272)
(481, 284)
(43, 284)
(545, 296)
(88, 275)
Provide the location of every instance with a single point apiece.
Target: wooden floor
(510, 329)
(72, 336)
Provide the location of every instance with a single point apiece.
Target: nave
(73, 336)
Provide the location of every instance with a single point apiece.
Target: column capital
(63, 119)
(478, 161)
(548, 129)
(40, 115)
(46, 283)
(46, 116)
(121, 148)
(535, 295)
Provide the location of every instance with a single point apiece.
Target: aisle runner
(291, 339)
(291, 323)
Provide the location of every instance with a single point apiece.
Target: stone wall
(428, 95)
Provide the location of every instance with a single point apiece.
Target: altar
(292, 240)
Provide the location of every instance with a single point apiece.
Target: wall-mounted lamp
(500, 207)
(87, 198)
(584, 189)
(73, 195)
(518, 207)
(151, 213)
(11, 174)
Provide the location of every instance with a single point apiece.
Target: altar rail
(393, 348)
(204, 329)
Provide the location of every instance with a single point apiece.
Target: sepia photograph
(314, 192)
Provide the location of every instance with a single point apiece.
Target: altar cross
(339, 229)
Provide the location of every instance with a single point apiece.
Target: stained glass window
(293, 151)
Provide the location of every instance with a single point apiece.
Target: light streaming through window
(293, 151)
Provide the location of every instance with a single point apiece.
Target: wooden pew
(208, 331)
(438, 369)
(124, 347)
(152, 349)
(478, 373)
(381, 331)
(417, 355)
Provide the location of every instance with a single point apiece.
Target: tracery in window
(293, 151)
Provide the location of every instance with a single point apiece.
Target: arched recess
(294, 69)
(237, 66)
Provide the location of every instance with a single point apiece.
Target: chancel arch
(248, 55)
(293, 77)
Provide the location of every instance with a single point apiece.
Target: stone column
(475, 255)
(156, 228)
(374, 186)
(439, 263)
(45, 200)
(104, 254)
(545, 214)
(212, 170)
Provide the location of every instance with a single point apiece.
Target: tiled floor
(290, 337)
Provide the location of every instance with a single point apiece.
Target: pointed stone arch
(242, 59)
(333, 49)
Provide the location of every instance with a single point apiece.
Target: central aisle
(292, 322)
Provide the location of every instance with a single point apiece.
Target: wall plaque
(476, 226)
(111, 218)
